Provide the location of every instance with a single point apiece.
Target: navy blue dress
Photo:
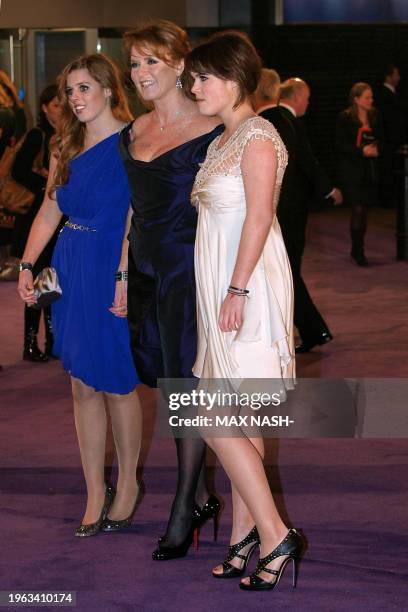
(93, 344)
(161, 288)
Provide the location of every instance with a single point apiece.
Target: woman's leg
(90, 423)
(242, 519)
(202, 492)
(190, 459)
(126, 417)
(358, 226)
(243, 464)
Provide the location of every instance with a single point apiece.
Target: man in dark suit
(394, 116)
(304, 176)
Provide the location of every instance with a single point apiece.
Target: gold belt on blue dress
(81, 228)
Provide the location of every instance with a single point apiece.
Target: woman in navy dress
(162, 151)
(88, 184)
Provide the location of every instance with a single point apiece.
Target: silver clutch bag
(46, 288)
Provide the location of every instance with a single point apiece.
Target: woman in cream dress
(262, 346)
(244, 289)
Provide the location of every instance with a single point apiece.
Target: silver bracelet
(237, 291)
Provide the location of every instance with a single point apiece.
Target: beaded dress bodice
(224, 162)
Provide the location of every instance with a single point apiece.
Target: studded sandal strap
(255, 579)
(233, 551)
(273, 572)
(227, 566)
(277, 552)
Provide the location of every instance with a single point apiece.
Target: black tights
(191, 486)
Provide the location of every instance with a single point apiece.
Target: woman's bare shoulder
(141, 123)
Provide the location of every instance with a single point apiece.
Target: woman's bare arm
(258, 168)
(42, 230)
(119, 306)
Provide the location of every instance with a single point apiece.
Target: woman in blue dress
(162, 151)
(87, 183)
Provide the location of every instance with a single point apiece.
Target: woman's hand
(119, 306)
(231, 313)
(26, 288)
(370, 150)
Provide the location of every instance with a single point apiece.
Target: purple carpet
(349, 497)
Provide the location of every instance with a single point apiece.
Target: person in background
(87, 182)
(359, 137)
(304, 175)
(394, 117)
(12, 128)
(17, 106)
(7, 121)
(30, 169)
(267, 92)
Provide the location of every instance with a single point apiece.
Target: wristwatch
(26, 265)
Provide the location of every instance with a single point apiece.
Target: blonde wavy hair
(69, 139)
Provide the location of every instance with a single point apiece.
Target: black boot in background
(49, 335)
(31, 324)
(357, 248)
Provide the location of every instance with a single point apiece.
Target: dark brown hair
(355, 92)
(228, 55)
(70, 136)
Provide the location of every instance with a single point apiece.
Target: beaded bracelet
(121, 275)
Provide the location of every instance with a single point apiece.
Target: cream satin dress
(263, 347)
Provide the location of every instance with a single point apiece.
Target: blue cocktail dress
(93, 344)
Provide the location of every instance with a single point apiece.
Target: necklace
(175, 118)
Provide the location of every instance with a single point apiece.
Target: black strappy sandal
(290, 547)
(233, 551)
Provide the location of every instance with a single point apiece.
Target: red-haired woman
(87, 183)
(162, 151)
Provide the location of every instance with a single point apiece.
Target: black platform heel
(233, 551)
(291, 548)
(210, 510)
(91, 529)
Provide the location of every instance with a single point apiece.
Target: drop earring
(179, 84)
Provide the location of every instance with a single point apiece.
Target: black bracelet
(121, 275)
(26, 265)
